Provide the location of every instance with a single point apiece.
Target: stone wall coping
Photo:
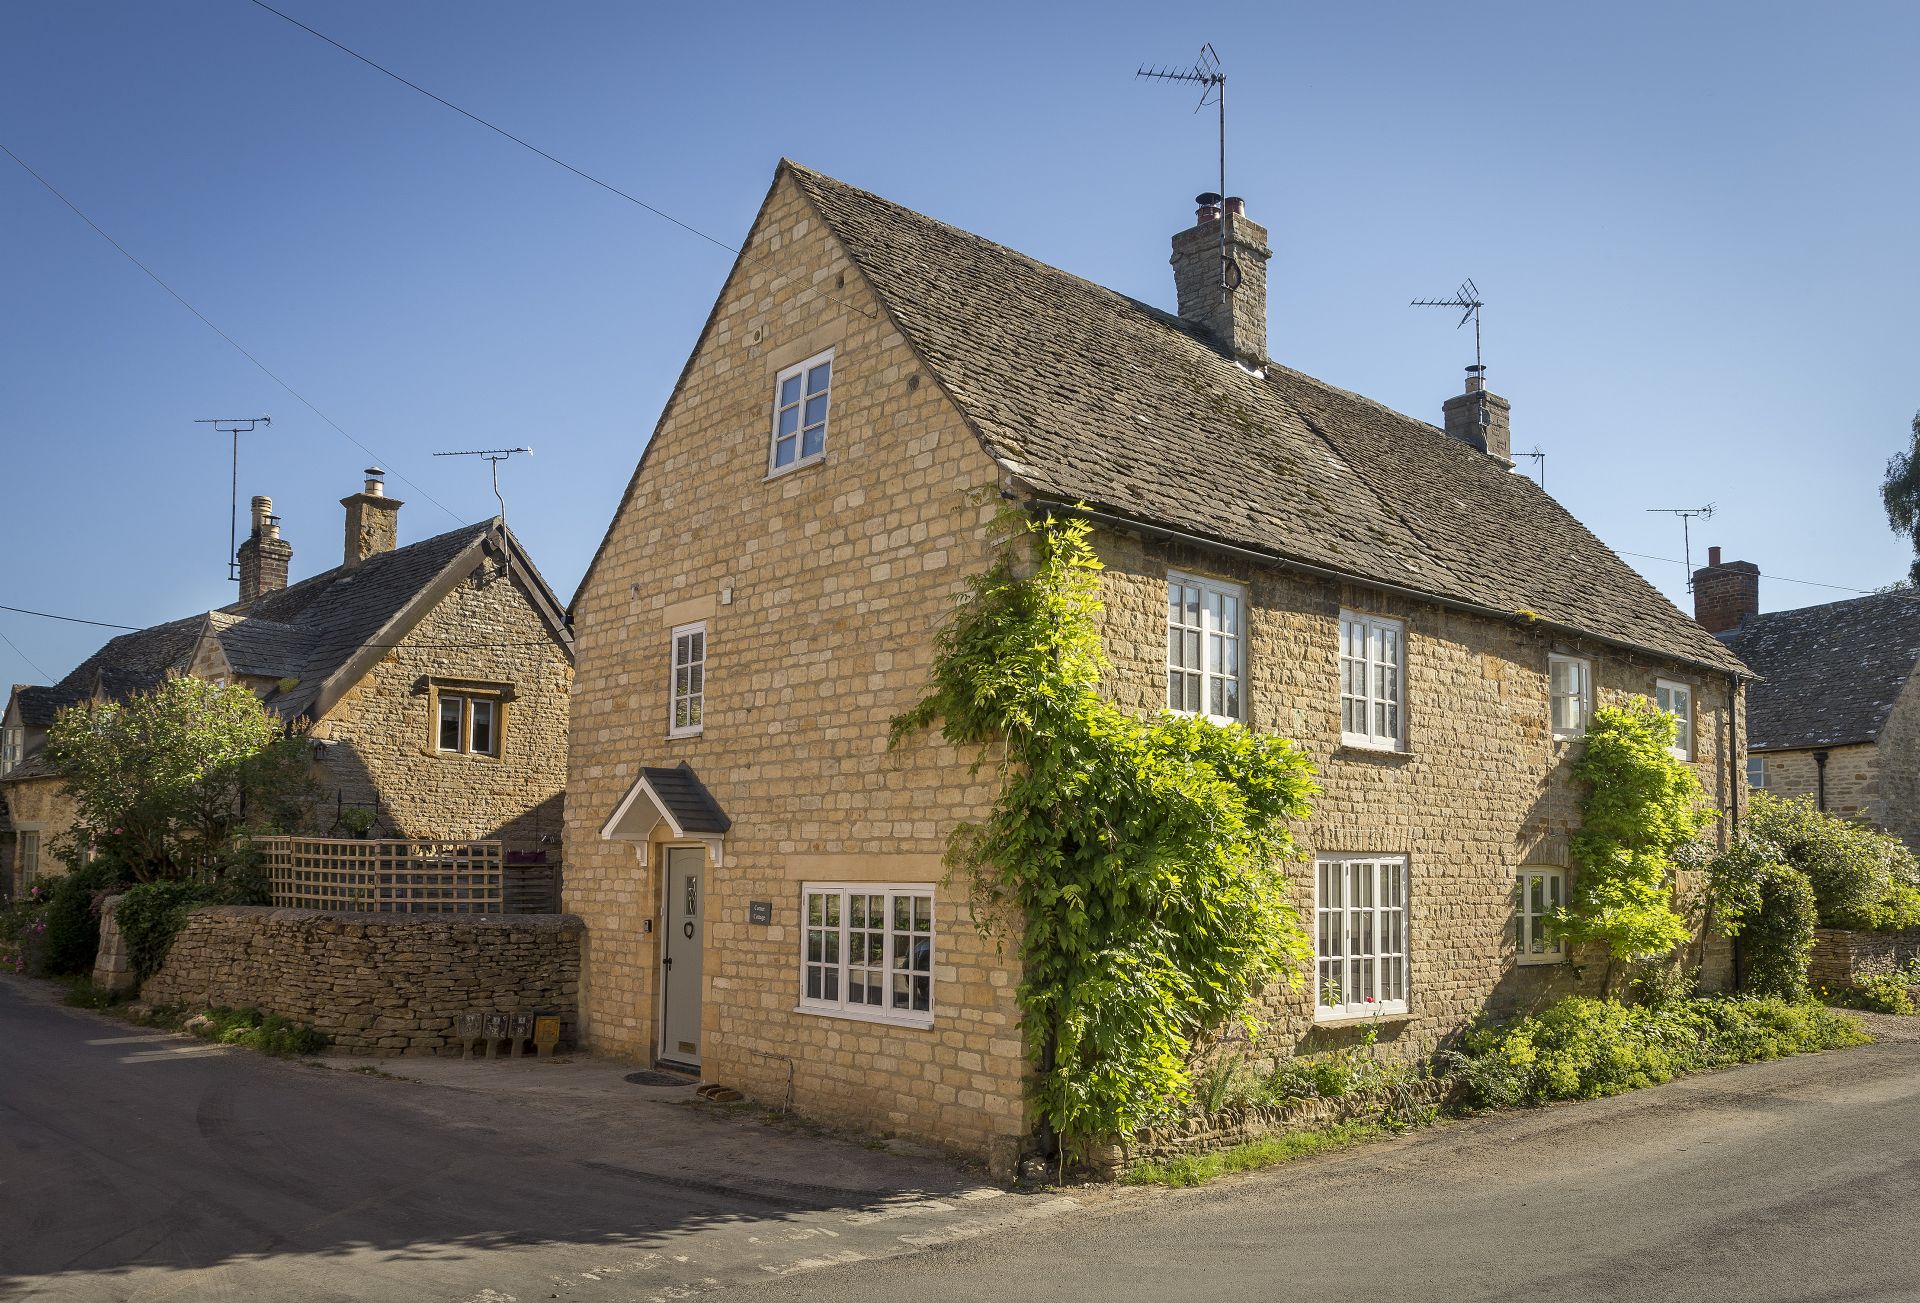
(469, 922)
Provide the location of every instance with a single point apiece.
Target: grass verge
(1197, 1169)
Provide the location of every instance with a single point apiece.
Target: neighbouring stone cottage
(435, 676)
(1835, 712)
(761, 876)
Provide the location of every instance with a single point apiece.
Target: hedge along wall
(375, 983)
(1842, 958)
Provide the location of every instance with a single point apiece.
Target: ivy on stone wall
(1140, 862)
(1643, 808)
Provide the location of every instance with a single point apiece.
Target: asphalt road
(1797, 1179)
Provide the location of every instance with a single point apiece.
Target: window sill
(916, 1024)
(1363, 1019)
(792, 466)
(683, 735)
(1369, 751)
(1540, 961)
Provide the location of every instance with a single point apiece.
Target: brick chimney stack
(1481, 419)
(1234, 315)
(1725, 595)
(373, 519)
(264, 557)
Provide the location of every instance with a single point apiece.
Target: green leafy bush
(73, 917)
(23, 931)
(1642, 808)
(1861, 878)
(1880, 993)
(1770, 905)
(1582, 1048)
(151, 914)
(267, 1033)
(1141, 862)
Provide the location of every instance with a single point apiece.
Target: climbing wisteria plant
(1140, 861)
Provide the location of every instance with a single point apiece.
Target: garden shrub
(1582, 1048)
(73, 917)
(1861, 878)
(23, 930)
(151, 914)
(265, 1032)
(1879, 993)
(1770, 906)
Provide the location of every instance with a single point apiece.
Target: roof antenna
(1539, 464)
(494, 457)
(1686, 515)
(1207, 74)
(236, 426)
(1467, 298)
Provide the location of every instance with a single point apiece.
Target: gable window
(1756, 771)
(1360, 935)
(1537, 894)
(12, 742)
(867, 951)
(1677, 699)
(689, 693)
(468, 724)
(1370, 681)
(800, 412)
(1571, 680)
(1205, 648)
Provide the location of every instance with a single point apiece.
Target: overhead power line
(208, 323)
(1778, 579)
(71, 619)
(525, 144)
(31, 663)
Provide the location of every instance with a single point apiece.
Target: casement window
(1360, 935)
(12, 742)
(1571, 685)
(1206, 648)
(867, 951)
(1537, 894)
(689, 690)
(468, 724)
(1371, 681)
(27, 861)
(1677, 699)
(1756, 771)
(800, 412)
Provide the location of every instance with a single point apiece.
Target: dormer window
(800, 396)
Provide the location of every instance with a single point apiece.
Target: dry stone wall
(1842, 958)
(378, 984)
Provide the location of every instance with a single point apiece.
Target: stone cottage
(1835, 714)
(762, 876)
(435, 677)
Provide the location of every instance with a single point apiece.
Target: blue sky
(1692, 223)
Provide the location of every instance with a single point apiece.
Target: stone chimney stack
(1234, 313)
(1725, 595)
(265, 555)
(1481, 419)
(373, 519)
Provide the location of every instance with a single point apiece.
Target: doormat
(645, 1078)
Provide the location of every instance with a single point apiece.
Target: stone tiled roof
(1086, 395)
(1830, 673)
(38, 704)
(302, 633)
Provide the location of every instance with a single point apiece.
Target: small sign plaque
(759, 911)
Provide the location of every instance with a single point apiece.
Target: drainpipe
(1820, 764)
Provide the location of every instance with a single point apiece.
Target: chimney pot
(262, 511)
(1725, 594)
(1235, 206)
(264, 556)
(1481, 419)
(376, 481)
(1713, 556)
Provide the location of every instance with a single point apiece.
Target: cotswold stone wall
(1853, 779)
(375, 983)
(1842, 958)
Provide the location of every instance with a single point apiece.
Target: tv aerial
(1687, 516)
(1467, 299)
(1211, 78)
(493, 457)
(235, 426)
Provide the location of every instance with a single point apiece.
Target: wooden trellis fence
(386, 876)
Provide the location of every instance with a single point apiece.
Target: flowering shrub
(23, 929)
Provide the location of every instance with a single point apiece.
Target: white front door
(680, 955)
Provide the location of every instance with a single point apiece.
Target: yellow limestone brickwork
(1480, 790)
(481, 637)
(822, 589)
(38, 806)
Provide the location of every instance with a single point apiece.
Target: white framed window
(800, 395)
(1360, 935)
(1371, 676)
(468, 724)
(867, 951)
(688, 693)
(1756, 771)
(1570, 681)
(27, 864)
(1537, 893)
(12, 743)
(1677, 699)
(1206, 648)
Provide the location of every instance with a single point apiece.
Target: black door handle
(667, 962)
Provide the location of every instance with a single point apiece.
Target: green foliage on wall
(1642, 808)
(1140, 862)
(1769, 905)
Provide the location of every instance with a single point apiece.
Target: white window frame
(1214, 642)
(27, 857)
(1348, 983)
(1584, 695)
(1372, 695)
(837, 957)
(12, 743)
(1673, 690)
(1760, 772)
(467, 702)
(799, 406)
(1532, 942)
(696, 697)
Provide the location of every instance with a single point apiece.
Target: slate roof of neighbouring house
(302, 633)
(1089, 396)
(1829, 674)
(38, 704)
